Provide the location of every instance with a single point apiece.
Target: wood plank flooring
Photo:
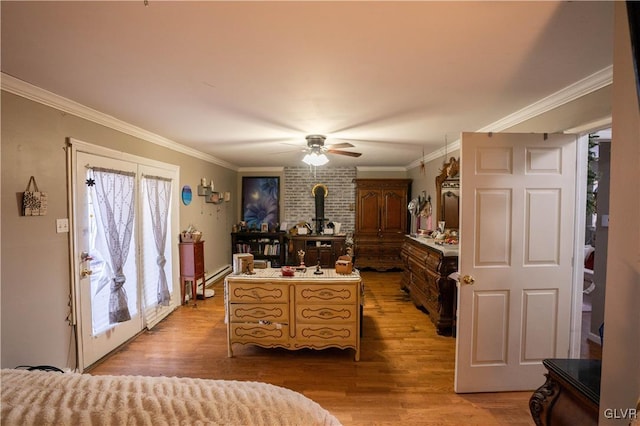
(404, 376)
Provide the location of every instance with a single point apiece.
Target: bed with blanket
(52, 398)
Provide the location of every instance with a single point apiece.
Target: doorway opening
(595, 244)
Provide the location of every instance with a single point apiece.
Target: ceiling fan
(317, 149)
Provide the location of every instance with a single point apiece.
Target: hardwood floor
(404, 376)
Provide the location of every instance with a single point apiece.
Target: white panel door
(516, 248)
(98, 334)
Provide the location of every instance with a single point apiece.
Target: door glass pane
(150, 267)
(101, 273)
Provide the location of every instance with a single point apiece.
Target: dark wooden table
(571, 394)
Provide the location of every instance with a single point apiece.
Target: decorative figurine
(318, 271)
(301, 254)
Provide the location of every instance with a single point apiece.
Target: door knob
(468, 279)
(85, 273)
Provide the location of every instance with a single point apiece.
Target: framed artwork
(260, 201)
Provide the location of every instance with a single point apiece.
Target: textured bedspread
(49, 398)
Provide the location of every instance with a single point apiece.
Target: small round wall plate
(186, 195)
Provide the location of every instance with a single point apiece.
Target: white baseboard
(595, 338)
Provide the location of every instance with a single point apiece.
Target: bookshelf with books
(270, 246)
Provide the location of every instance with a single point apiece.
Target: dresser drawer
(339, 293)
(432, 280)
(433, 307)
(258, 292)
(259, 333)
(433, 261)
(419, 281)
(247, 312)
(325, 313)
(336, 334)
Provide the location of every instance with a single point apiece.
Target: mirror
(448, 194)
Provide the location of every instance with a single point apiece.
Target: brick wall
(339, 205)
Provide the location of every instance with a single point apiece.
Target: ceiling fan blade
(287, 151)
(350, 154)
(340, 145)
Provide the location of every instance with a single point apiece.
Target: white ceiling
(244, 82)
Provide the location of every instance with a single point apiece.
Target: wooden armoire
(381, 222)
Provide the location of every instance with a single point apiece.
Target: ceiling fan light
(315, 159)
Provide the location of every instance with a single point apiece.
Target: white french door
(99, 335)
(125, 214)
(516, 251)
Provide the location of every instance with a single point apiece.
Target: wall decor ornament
(34, 202)
(214, 197)
(186, 195)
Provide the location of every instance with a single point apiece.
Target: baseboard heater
(217, 275)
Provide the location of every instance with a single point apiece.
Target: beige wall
(424, 179)
(35, 274)
(620, 386)
(380, 173)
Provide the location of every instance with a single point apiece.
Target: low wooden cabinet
(191, 267)
(303, 311)
(426, 277)
(318, 248)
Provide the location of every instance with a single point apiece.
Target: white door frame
(575, 336)
(73, 146)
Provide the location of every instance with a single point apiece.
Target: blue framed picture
(260, 201)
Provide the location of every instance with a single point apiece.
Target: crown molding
(34, 93)
(441, 152)
(594, 126)
(260, 169)
(580, 88)
(380, 169)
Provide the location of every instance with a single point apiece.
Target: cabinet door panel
(311, 257)
(369, 211)
(326, 258)
(395, 211)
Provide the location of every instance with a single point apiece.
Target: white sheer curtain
(159, 196)
(115, 197)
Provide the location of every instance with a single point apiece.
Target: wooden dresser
(303, 311)
(426, 277)
(381, 222)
